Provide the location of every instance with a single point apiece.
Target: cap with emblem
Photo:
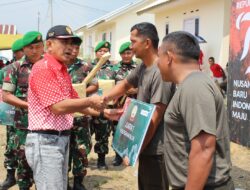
(77, 41)
(32, 37)
(125, 46)
(102, 44)
(60, 31)
(17, 45)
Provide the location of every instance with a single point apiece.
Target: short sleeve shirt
(50, 83)
(122, 70)
(196, 106)
(151, 89)
(216, 70)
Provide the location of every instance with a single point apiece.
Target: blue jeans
(47, 156)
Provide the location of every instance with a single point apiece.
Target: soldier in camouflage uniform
(15, 88)
(101, 126)
(122, 69)
(80, 140)
(10, 161)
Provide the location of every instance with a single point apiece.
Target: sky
(74, 13)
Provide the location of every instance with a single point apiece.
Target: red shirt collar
(54, 63)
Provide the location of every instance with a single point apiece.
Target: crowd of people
(186, 147)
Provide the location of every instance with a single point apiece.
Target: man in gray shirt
(196, 128)
(151, 89)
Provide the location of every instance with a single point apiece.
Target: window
(89, 45)
(167, 29)
(192, 26)
(110, 37)
(104, 36)
(196, 33)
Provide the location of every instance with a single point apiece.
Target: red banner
(239, 73)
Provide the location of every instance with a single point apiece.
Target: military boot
(78, 183)
(117, 161)
(68, 186)
(9, 181)
(101, 164)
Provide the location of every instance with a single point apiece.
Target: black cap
(60, 31)
(77, 40)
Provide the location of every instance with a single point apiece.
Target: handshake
(100, 103)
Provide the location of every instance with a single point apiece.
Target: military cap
(32, 37)
(77, 41)
(102, 44)
(125, 46)
(17, 45)
(60, 31)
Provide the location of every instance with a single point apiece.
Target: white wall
(213, 25)
(123, 26)
(120, 28)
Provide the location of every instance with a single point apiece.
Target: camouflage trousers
(101, 127)
(24, 172)
(10, 161)
(80, 146)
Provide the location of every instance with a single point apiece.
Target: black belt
(52, 132)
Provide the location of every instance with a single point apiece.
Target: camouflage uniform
(10, 161)
(16, 81)
(101, 126)
(80, 140)
(122, 70)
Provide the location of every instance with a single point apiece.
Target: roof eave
(151, 7)
(114, 13)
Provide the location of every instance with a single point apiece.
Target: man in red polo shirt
(219, 75)
(218, 72)
(52, 100)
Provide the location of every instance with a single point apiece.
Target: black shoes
(101, 164)
(78, 185)
(118, 160)
(9, 181)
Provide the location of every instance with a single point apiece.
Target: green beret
(77, 40)
(125, 46)
(17, 45)
(32, 38)
(102, 44)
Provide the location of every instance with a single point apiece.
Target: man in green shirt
(151, 89)
(197, 146)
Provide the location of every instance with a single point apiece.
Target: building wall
(119, 27)
(123, 26)
(96, 34)
(213, 25)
